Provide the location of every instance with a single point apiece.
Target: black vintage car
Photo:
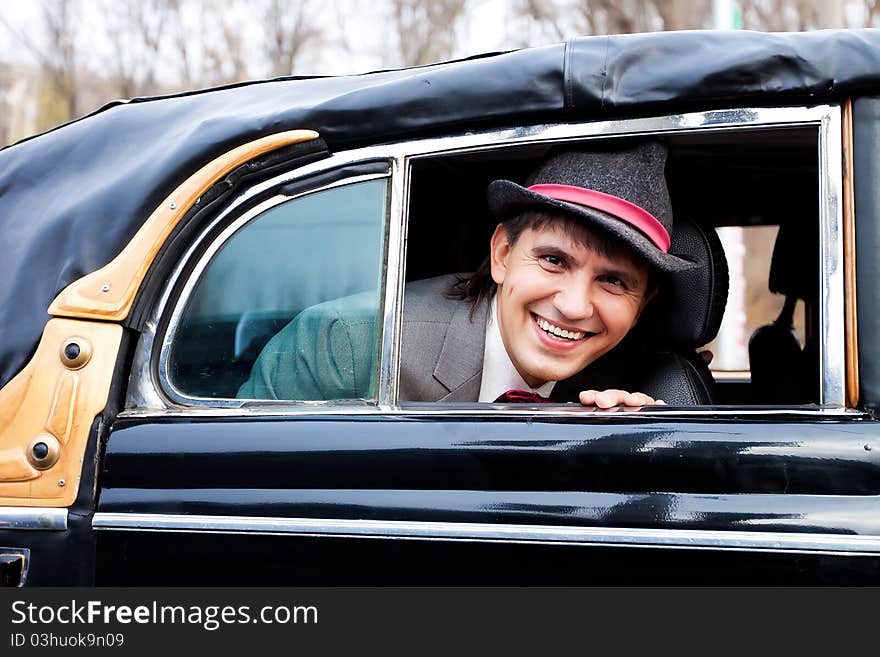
(170, 238)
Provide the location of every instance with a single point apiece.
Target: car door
(57, 409)
(203, 482)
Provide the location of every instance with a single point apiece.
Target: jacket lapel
(460, 364)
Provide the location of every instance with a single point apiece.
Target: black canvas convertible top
(70, 199)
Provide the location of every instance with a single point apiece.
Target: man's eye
(615, 282)
(556, 261)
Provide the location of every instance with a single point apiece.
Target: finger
(587, 397)
(638, 399)
(609, 398)
(660, 402)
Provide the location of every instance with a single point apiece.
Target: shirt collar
(499, 373)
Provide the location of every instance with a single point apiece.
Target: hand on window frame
(605, 399)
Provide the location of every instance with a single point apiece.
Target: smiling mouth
(560, 333)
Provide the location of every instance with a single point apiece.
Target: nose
(574, 300)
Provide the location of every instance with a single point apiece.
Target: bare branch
(779, 15)
(872, 9)
(426, 29)
(543, 13)
(58, 58)
(290, 27)
(682, 14)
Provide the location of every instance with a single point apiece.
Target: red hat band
(622, 209)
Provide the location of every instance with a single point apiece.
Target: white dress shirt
(499, 374)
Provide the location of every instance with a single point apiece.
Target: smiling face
(561, 303)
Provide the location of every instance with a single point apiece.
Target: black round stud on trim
(76, 352)
(43, 451)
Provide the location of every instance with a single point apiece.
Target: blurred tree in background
(65, 58)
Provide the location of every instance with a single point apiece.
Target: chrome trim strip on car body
(666, 413)
(149, 388)
(485, 532)
(832, 341)
(33, 518)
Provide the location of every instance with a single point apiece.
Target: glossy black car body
(184, 487)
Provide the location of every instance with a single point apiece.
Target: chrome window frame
(147, 394)
(204, 258)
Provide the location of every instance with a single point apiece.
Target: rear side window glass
(751, 303)
(288, 308)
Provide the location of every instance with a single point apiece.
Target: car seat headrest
(687, 311)
(776, 361)
(793, 267)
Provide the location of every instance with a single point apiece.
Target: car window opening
(755, 189)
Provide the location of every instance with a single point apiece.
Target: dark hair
(479, 286)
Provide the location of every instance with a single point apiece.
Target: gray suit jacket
(329, 351)
(442, 345)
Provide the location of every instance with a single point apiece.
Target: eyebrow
(547, 249)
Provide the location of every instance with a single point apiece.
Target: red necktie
(522, 396)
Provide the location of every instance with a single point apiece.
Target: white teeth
(559, 332)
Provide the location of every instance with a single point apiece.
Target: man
(572, 264)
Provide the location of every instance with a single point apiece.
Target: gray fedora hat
(622, 192)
